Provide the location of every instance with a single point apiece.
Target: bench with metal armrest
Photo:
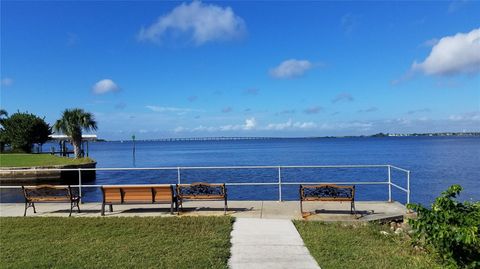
(202, 191)
(327, 192)
(50, 194)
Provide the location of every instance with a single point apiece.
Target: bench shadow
(358, 213)
(214, 209)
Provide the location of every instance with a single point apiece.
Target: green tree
(22, 130)
(3, 138)
(72, 122)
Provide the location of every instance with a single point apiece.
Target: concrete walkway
(325, 211)
(268, 243)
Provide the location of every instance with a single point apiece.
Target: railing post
(178, 175)
(389, 183)
(408, 187)
(80, 185)
(279, 184)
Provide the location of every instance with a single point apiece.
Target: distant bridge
(218, 138)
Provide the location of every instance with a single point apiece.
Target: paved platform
(268, 243)
(322, 211)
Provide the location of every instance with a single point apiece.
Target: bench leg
(171, 207)
(179, 203)
(27, 205)
(111, 207)
(102, 211)
(176, 205)
(225, 207)
(301, 207)
(352, 208)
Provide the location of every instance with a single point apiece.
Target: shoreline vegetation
(34, 160)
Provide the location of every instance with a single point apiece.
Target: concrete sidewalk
(268, 243)
(325, 211)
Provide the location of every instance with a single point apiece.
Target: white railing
(389, 168)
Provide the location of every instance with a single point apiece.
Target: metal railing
(389, 168)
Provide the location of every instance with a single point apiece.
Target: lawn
(347, 246)
(26, 160)
(117, 242)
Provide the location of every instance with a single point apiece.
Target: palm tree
(72, 122)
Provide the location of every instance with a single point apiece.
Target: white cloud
(204, 22)
(250, 123)
(104, 86)
(291, 68)
(468, 116)
(290, 125)
(166, 109)
(7, 82)
(452, 55)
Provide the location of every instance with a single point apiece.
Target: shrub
(451, 228)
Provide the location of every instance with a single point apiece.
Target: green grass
(117, 242)
(358, 246)
(26, 160)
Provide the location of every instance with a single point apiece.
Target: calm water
(435, 162)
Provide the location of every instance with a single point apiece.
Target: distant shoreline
(227, 138)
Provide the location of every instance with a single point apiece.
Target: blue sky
(185, 69)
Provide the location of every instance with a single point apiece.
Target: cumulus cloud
(200, 22)
(291, 68)
(367, 110)
(288, 125)
(453, 55)
(313, 110)
(178, 110)
(249, 124)
(343, 97)
(6, 82)
(104, 86)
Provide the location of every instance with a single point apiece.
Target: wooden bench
(137, 194)
(50, 194)
(327, 192)
(202, 191)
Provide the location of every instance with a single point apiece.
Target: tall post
(408, 187)
(279, 184)
(389, 183)
(178, 175)
(80, 185)
(133, 149)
